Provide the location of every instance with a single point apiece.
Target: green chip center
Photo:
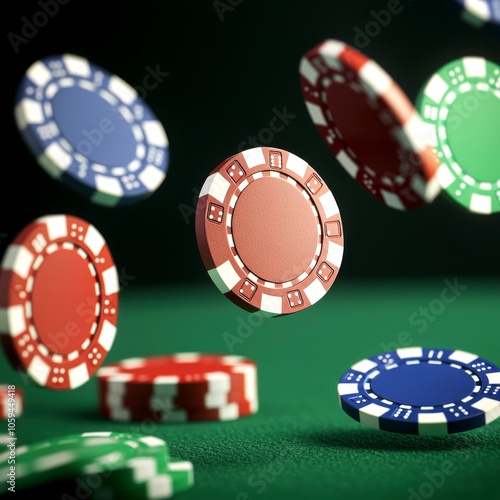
(473, 127)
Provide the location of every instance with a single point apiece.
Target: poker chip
(182, 474)
(11, 402)
(88, 453)
(269, 232)
(422, 391)
(139, 482)
(112, 465)
(232, 411)
(370, 125)
(482, 10)
(460, 104)
(179, 388)
(89, 129)
(155, 398)
(58, 301)
(140, 479)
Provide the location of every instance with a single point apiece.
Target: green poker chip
(182, 474)
(142, 478)
(461, 106)
(67, 457)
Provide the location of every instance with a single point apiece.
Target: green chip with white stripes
(461, 106)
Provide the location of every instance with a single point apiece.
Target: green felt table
(300, 444)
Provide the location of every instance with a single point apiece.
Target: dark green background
(226, 77)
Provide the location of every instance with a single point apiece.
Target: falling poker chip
(269, 231)
(460, 104)
(370, 125)
(58, 301)
(90, 129)
(422, 391)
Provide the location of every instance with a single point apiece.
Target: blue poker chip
(422, 391)
(482, 10)
(90, 129)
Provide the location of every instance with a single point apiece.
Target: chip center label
(270, 217)
(64, 301)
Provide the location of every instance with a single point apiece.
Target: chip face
(422, 391)
(89, 129)
(482, 10)
(369, 124)
(58, 301)
(461, 106)
(269, 231)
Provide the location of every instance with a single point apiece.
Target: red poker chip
(370, 125)
(269, 231)
(231, 411)
(11, 405)
(151, 399)
(58, 301)
(178, 374)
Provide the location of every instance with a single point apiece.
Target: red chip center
(63, 301)
(362, 130)
(274, 229)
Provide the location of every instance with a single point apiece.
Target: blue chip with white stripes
(91, 130)
(422, 391)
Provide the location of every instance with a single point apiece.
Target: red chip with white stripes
(370, 125)
(178, 388)
(58, 301)
(177, 375)
(11, 402)
(269, 231)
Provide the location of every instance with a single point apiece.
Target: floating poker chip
(269, 231)
(461, 106)
(58, 301)
(482, 10)
(11, 402)
(422, 391)
(90, 129)
(370, 125)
